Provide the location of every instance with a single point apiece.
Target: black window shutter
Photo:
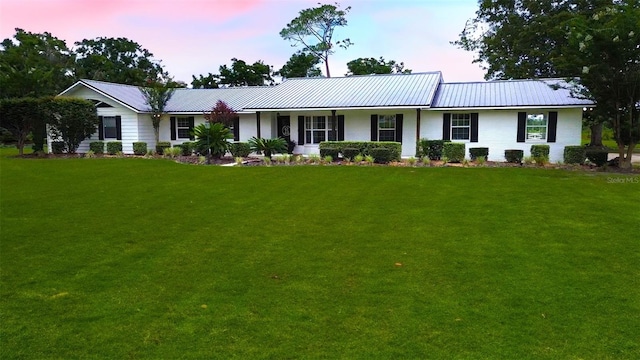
(374, 127)
(399, 119)
(100, 129)
(236, 128)
(300, 130)
(118, 127)
(522, 126)
(446, 126)
(474, 127)
(553, 126)
(173, 128)
(340, 127)
(192, 124)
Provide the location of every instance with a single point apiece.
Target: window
(183, 127)
(386, 128)
(536, 127)
(460, 126)
(109, 126)
(318, 128)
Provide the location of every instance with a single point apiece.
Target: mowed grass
(141, 259)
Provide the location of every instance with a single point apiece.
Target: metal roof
(183, 100)
(367, 91)
(507, 93)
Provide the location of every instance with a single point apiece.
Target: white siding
(497, 130)
(129, 124)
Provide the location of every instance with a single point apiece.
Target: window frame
(544, 134)
(455, 118)
(387, 119)
(106, 119)
(317, 125)
(182, 127)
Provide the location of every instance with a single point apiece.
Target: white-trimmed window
(536, 127)
(109, 127)
(183, 127)
(386, 128)
(318, 129)
(460, 126)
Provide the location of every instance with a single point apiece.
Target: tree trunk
(596, 135)
(326, 66)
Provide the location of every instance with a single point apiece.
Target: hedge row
(363, 148)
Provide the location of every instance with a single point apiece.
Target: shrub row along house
(498, 115)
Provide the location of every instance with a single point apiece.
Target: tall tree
(205, 82)
(300, 64)
(23, 116)
(243, 74)
(313, 30)
(606, 46)
(117, 60)
(157, 96)
(72, 120)
(368, 66)
(33, 65)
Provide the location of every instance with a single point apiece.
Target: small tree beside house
(157, 96)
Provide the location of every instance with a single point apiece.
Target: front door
(284, 128)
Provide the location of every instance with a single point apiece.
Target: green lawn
(149, 259)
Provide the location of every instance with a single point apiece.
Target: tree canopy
(157, 96)
(300, 64)
(242, 74)
(596, 41)
(117, 60)
(313, 30)
(368, 66)
(34, 65)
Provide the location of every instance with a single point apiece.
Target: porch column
(258, 123)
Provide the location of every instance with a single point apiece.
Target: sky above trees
(198, 36)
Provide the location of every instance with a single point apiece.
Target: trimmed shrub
(57, 147)
(540, 151)
(364, 147)
(97, 147)
(381, 155)
(113, 147)
(329, 152)
(187, 148)
(475, 153)
(597, 156)
(574, 154)
(350, 153)
(161, 145)
(454, 151)
(430, 148)
(514, 156)
(240, 149)
(140, 148)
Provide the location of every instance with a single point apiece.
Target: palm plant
(268, 146)
(157, 97)
(212, 139)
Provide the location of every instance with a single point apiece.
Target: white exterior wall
(129, 124)
(497, 130)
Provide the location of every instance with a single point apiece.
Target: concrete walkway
(635, 158)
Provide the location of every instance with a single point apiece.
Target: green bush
(514, 156)
(329, 152)
(597, 156)
(97, 147)
(140, 148)
(161, 145)
(240, 149)
(478, 152)
(113, 147)
(57, 147)
(187, 148)
(268, 147)
(364, 147)
(350, 153)
(430, 148)
(453, 151)
(381, 155)
(574, 154)
(540, 152)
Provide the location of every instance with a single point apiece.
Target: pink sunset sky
(193, 37)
